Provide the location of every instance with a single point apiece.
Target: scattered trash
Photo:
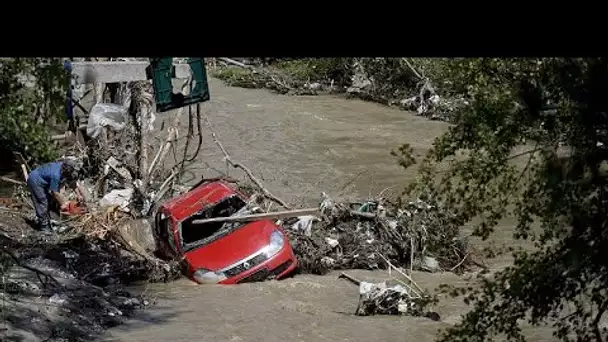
(398, 299)
(113, 164)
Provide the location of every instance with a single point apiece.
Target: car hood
(233, 247)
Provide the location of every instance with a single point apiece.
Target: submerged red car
(220, 252)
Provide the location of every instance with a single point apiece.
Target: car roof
(189, 203)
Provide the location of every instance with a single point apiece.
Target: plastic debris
(304, 224)
(106, 115)
(120, 198)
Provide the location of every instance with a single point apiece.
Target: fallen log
(255, 217)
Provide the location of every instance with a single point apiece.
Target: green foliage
(559, 105)
(405, 156)
(238, 77)
(319, 69)
(27, 106)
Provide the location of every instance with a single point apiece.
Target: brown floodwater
(299, 147)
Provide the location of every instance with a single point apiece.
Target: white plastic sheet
(304, 224)
(110, 115)
(118, 197)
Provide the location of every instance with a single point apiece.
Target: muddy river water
(299, 146)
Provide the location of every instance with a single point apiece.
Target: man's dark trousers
(40, 198)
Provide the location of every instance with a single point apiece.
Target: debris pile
(105, 239)
(375, 79)
(402, 298)
(122, 177)
(106, 262)
(431, 106)
(372, 234)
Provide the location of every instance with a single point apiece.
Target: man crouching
(44, 183)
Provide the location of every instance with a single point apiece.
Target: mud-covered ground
(43, 297)
(301, 146)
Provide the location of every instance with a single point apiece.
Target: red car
(219, 252)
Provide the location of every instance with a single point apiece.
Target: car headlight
(204, 276)
(277, 241)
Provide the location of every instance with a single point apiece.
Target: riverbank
(404, 83)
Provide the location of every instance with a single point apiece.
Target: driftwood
(349, 278)
(171, 138)
(255, 217)
(43, 277)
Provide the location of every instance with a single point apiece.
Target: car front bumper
(277, 267)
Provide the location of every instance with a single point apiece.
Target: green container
(162, 71)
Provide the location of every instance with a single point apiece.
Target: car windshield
(194, 235)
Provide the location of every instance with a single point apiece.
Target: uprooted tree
(557, 107)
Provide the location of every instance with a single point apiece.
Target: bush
(319, 69)
(32, 95)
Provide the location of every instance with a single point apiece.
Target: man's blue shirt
(47, 176)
